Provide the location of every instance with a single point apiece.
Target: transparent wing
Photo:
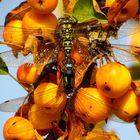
(26, 41)
(14, 104)
(29, 109)
(42, 57)
(114, 52)
(126, 53)
(14, 34)
(11, 105)
(128, 28)
(12, 61)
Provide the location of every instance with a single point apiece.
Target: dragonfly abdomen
(66, 35)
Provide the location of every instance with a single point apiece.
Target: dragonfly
(92, 43)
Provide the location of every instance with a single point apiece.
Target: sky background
(9, 89)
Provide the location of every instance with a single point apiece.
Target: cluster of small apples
(44, 110)
(40, 16)
(113, 93)
(47, 107)
(93, 104)
(47, 104)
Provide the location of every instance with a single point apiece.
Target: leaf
(76, 127)
(3, 67)
(98, 13)
(18, 12)
(85, 10)
(87, 76)
(135, 71)
(69, 5)
(60, 8)
(63, 137)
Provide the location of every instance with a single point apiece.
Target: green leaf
(135, 71)
(98, 13)
(87, 10)
(3, 67)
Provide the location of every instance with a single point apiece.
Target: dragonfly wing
(32, 110)
(12, 61)
(128, 28)
(43, 31)
(1, 32)
(14, 104)
(125, 53)
(11, 105)
(85, 28)
(45, 56)
(33, 37)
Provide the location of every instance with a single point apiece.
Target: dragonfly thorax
(67, 20)
(100, 47)
(66, 32)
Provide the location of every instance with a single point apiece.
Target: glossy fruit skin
(113, 80)
(38, 25)
(45, 95)
(127, 106)
(18, 128)
(43, 6)
(91, 105)
(32, 20)
(108, 3)
(41, 119)
(27, 73)
(14, 35)
(128, 11)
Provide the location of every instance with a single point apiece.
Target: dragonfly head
(67, 20)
